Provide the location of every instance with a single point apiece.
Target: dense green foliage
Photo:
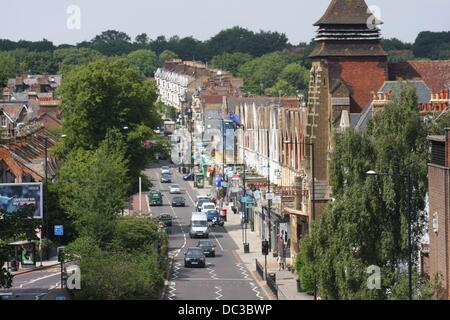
(366, 224)
(432, 45)
(144, 60)
(104, 95)
(230, 61)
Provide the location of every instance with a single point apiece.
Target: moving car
(213, 214)
(200, 201)
(206, 206)
(166, 219)
(178, 201)
(194, 257)
(165, 178)
(175, 188)
(199, 225)
(208, 247)
(155, 198)
(165, 170)
(189, 177)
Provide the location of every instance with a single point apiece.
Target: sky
(73, 21)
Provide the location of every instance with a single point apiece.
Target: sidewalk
(134, 206)
(286, 280)
(45, 264)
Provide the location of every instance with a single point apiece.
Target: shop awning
(295, 212)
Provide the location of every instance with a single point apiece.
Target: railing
(271, 283)
(260, 269)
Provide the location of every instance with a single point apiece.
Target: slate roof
(346, 12)
(423, 92)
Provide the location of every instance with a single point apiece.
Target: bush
(304, 267)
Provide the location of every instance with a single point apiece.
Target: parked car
(178, 202)
(165, 170)
(175, 188)
(194, 257)
(166, 219)
(7, 296)
(155, 198)
(189, 177)
(206, 206)
(208, 247)
(165, 178)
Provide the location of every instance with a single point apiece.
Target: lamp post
(406, 177)
(313, 192)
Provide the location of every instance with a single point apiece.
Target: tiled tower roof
(345, 12)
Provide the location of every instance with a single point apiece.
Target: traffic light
(265, 247)
(60, 253)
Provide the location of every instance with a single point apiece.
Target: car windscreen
(178, 199)
(205, 244)
(197, 223)
(174, 186)
(155, 195)
(209, 206)
(195, 253)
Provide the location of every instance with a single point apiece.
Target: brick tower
(348, 62)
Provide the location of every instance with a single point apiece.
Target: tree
(167, 55)
(263, 70)
(230, 61)
(144, 60)
(102, 95)
(35, 62)
(112, 43)
(93, 188)
(8, 68)
(296, 76)
(72, 57)
(142, 40)
(430, 44)
(281, 88)
(366, 224)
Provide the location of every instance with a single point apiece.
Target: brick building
(439, 209)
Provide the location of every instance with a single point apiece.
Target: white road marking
(39, 279)
(217, 240)
(219, 295)
(218, 279)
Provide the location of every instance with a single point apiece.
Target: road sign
(60, 298)
(269, 196)
(59, 230)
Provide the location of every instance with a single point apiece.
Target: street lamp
(407, 177)
(313, 195)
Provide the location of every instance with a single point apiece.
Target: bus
(155, 198)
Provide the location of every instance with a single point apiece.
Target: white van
(199, 225)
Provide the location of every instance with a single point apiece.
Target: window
(3, 121)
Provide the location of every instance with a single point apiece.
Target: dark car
(166, 219)
(189, 177)
(178, 202)
(208, 247)
(165, 178)
(194, 257)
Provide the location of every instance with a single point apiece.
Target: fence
(260, 269)
(271, 283)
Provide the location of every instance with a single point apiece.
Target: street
(225, 277)
(36, 284)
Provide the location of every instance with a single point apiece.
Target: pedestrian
(280, 262)
(283, 262)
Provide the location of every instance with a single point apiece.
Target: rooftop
(345, 12)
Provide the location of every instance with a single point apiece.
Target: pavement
(225, 276)
(134, 205)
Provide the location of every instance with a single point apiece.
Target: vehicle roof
(199, 215)
(209, 203)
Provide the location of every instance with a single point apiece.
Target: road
(36, 284)
(225, 277)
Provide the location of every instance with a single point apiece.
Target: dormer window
(3, 121)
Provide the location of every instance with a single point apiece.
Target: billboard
(15, 195)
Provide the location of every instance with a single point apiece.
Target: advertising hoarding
(15, 195)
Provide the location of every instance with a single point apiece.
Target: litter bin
(272, 276)
(14, 265)
(299, 286)
(246, 247)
